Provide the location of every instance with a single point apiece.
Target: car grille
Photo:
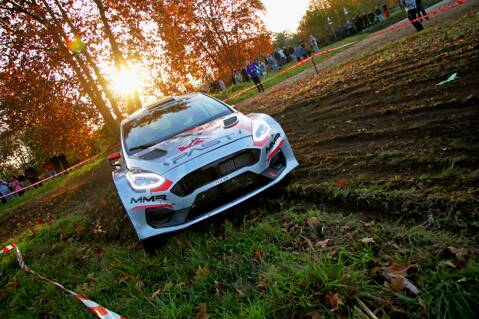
(214, 171)
(225, 193)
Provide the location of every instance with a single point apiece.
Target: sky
(284, 15)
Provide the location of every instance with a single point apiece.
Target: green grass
(48, 186)
(261, 267)
(272, 78)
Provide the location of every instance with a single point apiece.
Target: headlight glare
(144, 180)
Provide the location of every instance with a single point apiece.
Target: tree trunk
(132, 103)
(86, 83)
(92, 64)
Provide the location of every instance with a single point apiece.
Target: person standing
(412, 14)
(238, 77)
(252, 70)
(420, 9)
(222, 84)
(15, 185)
(314, 43)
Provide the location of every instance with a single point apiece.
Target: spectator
(237, 76)
(15, 185)
(32, 176)
(222, 84)
(314, 43)
(50, 168)
(386, 12)
(412, 15)
(262, 68)
(282, 56)
(420, 10)
(274, 64)
(379, 15)
(4, 190)
(252, 70)
(245, 75)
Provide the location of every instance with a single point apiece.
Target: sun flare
(126, 80)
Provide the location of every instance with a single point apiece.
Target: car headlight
(141, 180)
(261, 131)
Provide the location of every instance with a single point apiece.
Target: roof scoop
(230, 121)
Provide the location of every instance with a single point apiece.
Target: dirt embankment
(382, 123)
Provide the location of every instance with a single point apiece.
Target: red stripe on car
(163, 187)
(153, 206)
(276, 149)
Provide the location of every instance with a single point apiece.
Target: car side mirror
(114, 159)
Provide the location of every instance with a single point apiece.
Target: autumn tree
(60, 57)
(315, 20)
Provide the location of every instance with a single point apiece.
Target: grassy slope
(258, 265)
(48, 186)
(272, 79)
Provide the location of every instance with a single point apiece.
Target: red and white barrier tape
(432, 13)
(50, 177)
(96, 309)
(290, 68)
(395, 27)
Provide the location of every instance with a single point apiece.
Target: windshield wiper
(141, 147)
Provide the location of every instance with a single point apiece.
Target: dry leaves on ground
(460, 253)
(367, 240)
(313, 222)
(202, 313)
(313, 315)
(258, 254)
(323, 243)
(332, 299)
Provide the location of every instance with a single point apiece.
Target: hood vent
(230, 121)
(154, 154)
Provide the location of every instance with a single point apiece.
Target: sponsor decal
(147, 199)
(194, 149)
(195, 141)
(273, 142)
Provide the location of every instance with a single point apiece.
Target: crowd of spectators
(273, 62)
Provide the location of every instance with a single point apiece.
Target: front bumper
(172, 212)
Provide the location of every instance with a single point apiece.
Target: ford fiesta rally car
(187, 158)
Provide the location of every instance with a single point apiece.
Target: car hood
(191, 144)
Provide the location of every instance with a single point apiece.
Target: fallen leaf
(155, 293)
(240, 292)
(369, 224)
(332, 299)
(460, 253)
(397, 269)
(202, 272)
(446, 263)
(323, 243)
(313, 315)
(202, 314)
(263, 280)
(258, 254)
(342, 184)
(313, 222)
(397, 283)
(367, 240)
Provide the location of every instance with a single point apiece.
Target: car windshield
(170, 119)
